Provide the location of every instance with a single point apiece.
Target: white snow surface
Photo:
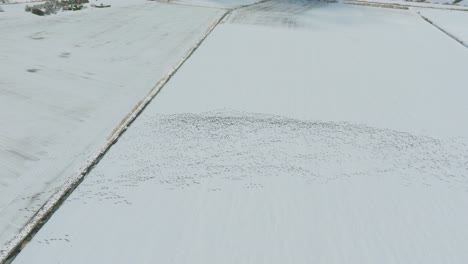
(399, 4)
(448, 2)
(68, 80)
(335, 134)
(374, 66)
(453, 22)
(19, 1)
(112, 2)
(213, 3)
(445, 2)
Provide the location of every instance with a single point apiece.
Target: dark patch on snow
(48, 241)
(65, 55)
(219, 149)
(38, 35)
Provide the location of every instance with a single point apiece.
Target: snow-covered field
(67, 81)
(387, 60)
(402, 4)
(213, 3)
(440, 2)
(325, 133)
(18, 1)
(453, 22)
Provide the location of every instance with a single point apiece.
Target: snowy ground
(440, 2)
(386, 59)
(402, 4)
(213, 3)
(68, 81)
(18, 1)
(453, 22)
(297, 133)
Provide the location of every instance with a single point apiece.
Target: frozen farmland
(225, 131)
